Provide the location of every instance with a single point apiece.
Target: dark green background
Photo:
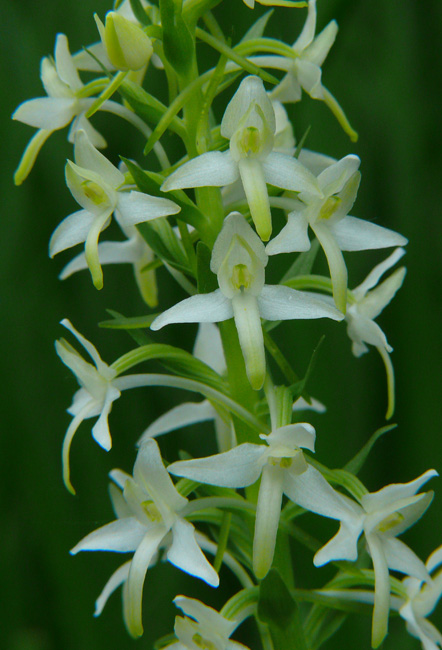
(385, 70)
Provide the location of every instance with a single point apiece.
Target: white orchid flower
(133, 250)
(239, 260)
(150, 516)
(207, 348)
(335, 230)
(304, 70)
(382, 516)
(283, 469)
(63, 105)
(366, 303)
(249, 124)
(202, 627)
(422, 598)
(98, 186)
(95, 397)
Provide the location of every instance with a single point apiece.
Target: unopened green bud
(127, 46)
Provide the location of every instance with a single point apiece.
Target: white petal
(292, 436)
(150, 473)
(100, 431)
(238, 467)
(315, 162)
(382, 590)
(65, 65)
(377, 299)
(87, 156)
(309, 77)
(311, 491)
(50, 113)
(317, 51)
(333, 179)
(434, 560)
(336, 263)
(236, 225)
(293, 237)
(268, 511)
(206, 616)
(135, 582)
(308, 31)
(388, 495)
(210, 169)
(302, 405)
(255, 188)
(187, 555)
(202, 308)
(363, 329)
(81, 122)
(375, 275)
(88, 346)
(251, 339)
(209, 348)
(136, 207)
(72, 230)
(120, 536)
(113, 583)
(109, 252)
(288, 90)
(343, 546)
(401, 558)
(180, 416)
(250, 91)
(282, 303)
(288, 173)
(354, 234)
(119, 505)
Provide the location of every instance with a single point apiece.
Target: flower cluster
(209, 219)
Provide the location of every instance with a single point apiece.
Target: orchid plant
(206, 219)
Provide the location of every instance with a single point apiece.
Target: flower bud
(127, 46)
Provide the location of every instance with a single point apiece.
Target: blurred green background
(385, 69)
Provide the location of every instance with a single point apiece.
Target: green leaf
(326, 625)
(355, 464)
(149, 108)
(150, 183)
(303, 264)
(230, 53)
(279, 611)
(258, 28)
(139, 12)
(299, 388)
(179, 48)
(164, 641)
(163, 241)
(133, 326)
(178, 361)
(207, 281)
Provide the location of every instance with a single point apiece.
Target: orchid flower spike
(239, 260)
(150, 515)
(382, 516)
(329, 220)
(422, 598)
(202, 627)
(98, 186)
(249, 124)
(64, 104)
(366, 303)
(283, 469)
(303, 72)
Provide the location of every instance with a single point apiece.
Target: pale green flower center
(203, 643)
(241, 277)
(329, 207)
(94, 192)
(249, 141)
(390, 522)
(152, 511)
